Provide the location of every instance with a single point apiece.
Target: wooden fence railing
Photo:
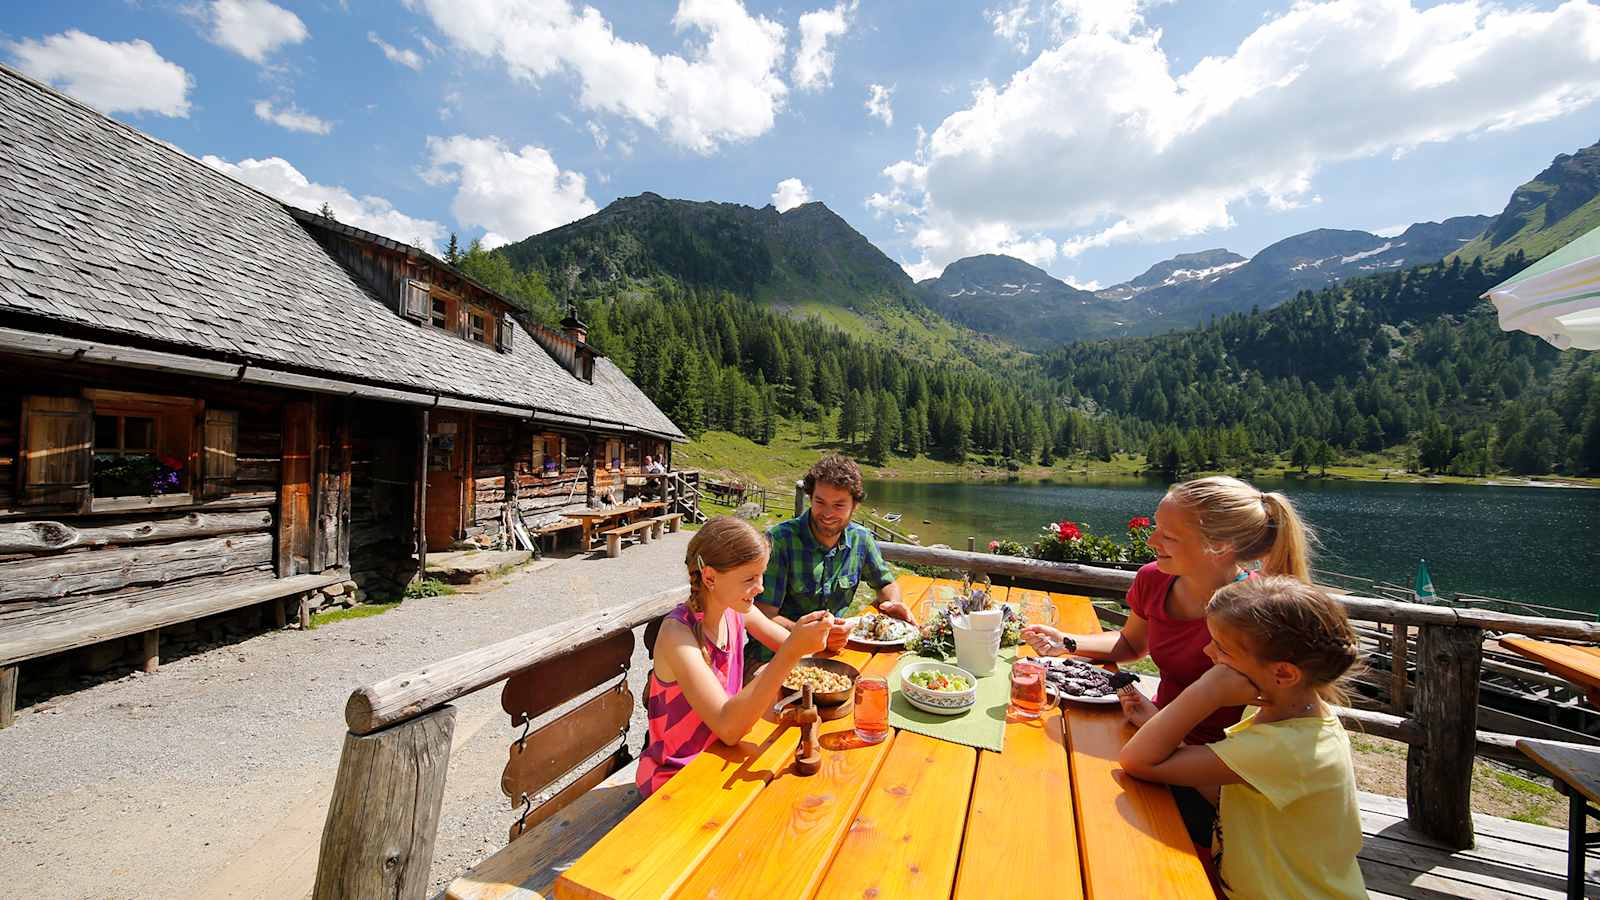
(1441, 733)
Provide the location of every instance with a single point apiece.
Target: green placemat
(983, 726)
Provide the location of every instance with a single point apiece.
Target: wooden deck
(1513, 860)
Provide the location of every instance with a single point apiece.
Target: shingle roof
(104, 227)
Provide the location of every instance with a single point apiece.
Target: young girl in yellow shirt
(1287, 820)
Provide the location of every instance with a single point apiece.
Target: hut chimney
(573, 326)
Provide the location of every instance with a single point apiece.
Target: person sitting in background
(819, 557)
(651, 467)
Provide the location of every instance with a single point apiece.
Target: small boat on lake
(891, 518)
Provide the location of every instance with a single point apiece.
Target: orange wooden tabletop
(910, 817)
(1577, 664)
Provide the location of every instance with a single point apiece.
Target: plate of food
(938, 688)
(1082, 682)
(878, 630)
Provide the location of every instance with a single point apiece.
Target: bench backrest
(585, 743)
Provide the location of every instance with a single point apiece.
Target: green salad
(940, 681)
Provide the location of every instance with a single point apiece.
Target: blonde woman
(1207, 531)
(696, 691)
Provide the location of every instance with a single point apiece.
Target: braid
(1287, 620)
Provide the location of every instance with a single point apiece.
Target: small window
(441, 313)
(478, 327)
(141, 444)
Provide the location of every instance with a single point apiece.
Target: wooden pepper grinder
(808, 759)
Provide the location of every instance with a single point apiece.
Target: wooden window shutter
(502, 333)
(219, 454)
(57, 451)
(415, 304)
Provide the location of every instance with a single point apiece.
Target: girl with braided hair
(696, 691)
(1282, 779)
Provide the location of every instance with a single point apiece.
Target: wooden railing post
(384, 816)
(1439, 766)
(1397, 668)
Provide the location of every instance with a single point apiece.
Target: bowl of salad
(938, 688)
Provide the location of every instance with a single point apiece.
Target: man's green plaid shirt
(802, 577)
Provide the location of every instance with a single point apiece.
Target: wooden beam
(48, 536)
(384, 816)
(406, 696)
(151, 654)
(8, 695)
(1439, 767)
(104, 570)
(1397, 669)
(422, 501)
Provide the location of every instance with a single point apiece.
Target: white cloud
(598, 132)
(878, 100)
(452, 103)
(253, 28)
(510, 194)
(291, 117)
(813, 62)
(277, 177)
(1099, 141)
(1090, 285)
(409, 58)
(727, 87)
(1011, 25)
(791, 192)
(129, 76)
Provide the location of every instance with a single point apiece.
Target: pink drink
(872, 708)
(1027, 688)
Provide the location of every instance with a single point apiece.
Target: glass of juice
(1027, 688)
(872, 708)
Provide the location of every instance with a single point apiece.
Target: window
(547, 454)
(441, 313)
(614, 453)
(633, 457)
(141, 444)
(478, 327)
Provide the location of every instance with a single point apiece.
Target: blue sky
(1091, 137)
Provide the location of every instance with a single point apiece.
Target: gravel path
(212, 776)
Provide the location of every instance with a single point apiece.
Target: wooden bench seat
(136, 612)
(526, 868)
(1576, 771)
(668, 522)
(642, 530)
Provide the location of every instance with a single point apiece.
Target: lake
(1532, 544)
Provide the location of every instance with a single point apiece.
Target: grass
(364, 611)
(1381, 768)
(431, 587)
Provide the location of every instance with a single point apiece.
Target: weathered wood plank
(394, 699)
(1439, 767)
(46, 536)
(104, 570)
(8, 695)
(151, 652)
(541, 688)
(51, 637)
(383, 819)
(553, 749)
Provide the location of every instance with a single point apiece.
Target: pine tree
(452, 251)
(326, 212)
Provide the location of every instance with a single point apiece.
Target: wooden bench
(641, 529)
(554, 528)
(668, 522)
(1576, 771)
(548, 838)
(139, 612)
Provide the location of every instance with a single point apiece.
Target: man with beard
(819, 557)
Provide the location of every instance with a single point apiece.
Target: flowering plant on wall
(1066, 541)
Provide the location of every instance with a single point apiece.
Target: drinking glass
(1027, 688)
(1037, 609)
(872, 708)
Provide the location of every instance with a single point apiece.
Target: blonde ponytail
(1255, 525)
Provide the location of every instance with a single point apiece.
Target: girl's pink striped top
(677, 733)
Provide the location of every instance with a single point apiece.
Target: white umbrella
(1556, 298)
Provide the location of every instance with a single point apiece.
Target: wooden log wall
(492, 449)
(383, 475)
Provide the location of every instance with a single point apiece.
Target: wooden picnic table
(1579, 665)
(913, 816)
(598, 517)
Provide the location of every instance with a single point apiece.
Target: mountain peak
(1558, 205)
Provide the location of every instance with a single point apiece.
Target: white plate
(909, 631)
(937, 710)
(1108, 700)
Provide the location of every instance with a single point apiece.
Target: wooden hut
(209, 400)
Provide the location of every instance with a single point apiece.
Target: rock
(748, 511)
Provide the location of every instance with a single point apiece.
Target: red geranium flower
(1068, 531)
(171, 462)
(1138, 522)
(993, 546)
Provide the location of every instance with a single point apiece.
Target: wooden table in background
(599, 517)
(1577, 664)
(913, 816)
